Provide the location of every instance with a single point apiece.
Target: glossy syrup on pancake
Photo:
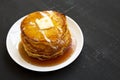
(45, 34)
(51, 62)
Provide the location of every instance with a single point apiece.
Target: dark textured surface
(100, 23)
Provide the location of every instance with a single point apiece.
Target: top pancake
(50, 32)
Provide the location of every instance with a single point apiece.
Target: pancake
(45, 35)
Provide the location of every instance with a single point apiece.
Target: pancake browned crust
(42, 39)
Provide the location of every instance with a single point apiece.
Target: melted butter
(32, 23)
(45, 22)
(54, 47)
(46, 38)
(50, 12)
(60, 29)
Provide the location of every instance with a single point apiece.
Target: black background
(100, 23)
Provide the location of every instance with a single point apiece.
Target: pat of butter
(45, 22)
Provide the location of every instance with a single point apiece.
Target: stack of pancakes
(44, 34)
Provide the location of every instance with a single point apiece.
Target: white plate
(13, 39)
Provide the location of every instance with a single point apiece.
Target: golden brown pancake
(45, 35)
